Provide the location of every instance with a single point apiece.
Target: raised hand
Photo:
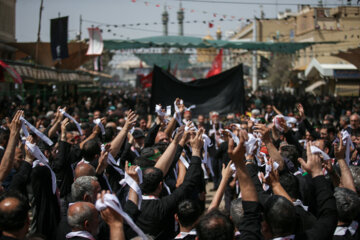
(28, 156)
(110, 216)
(131, 120)
(130, 170)
(197, 143)
(179, 134)
(313, 163)
(102, 163)
(264, 131)
(301, 111)
(339, 149)
(15, 124)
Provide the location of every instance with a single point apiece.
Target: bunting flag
(59, 38)
(216, 67)
(96, 44)
(146, 81)
(211, 25)
(223, 93)
(7, 72)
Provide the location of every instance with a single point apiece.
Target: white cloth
(101, 126)
(112, 202)
(341, 231)
(96, 44)
(347, 141)
(36, 152)
(72, 119)
(183, 160)
(290, 237)
(315, 150)
(298, 202)
(83, 234)
(34, 130)
(182, 235)
(133, 184)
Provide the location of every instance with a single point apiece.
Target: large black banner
(223, 93)
(59, 38)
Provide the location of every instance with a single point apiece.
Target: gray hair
(81, 186)
(77, 219)
(355, 172)
(236, 211)
(347, 204)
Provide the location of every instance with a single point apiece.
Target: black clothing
(250, 226)
(155, 214)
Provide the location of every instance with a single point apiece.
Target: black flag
(223, 93)
(59, 38)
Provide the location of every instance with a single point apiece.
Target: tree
(280, 70)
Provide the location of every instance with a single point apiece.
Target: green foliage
(280, 70)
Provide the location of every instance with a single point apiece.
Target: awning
(43, 75)
(315, 85)
(194, 42)
(77, 54)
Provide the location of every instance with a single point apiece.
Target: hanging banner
(223, 93)
(96, 44)
(59, 38)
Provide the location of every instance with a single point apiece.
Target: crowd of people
(102, 167)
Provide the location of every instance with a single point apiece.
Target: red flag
(210, 25)
(146, 81)
(133, 0)
(10, 72)
(216, 67)
(157, 5)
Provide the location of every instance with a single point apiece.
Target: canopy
(315, 85)
(194, 42)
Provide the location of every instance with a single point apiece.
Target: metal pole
(254, 60)
(80, 27)
(39, 30)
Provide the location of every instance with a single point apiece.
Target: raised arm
(56, 124)
(95, 132)
(346, 178)
(118, 141)
(273, 152)
(237, 155)
(167, 157)
(8, 158)
(273, 181)
(226, 174)
(113, 219)
(325, 225)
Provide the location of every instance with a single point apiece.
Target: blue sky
(128, 12)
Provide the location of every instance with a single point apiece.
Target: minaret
(218, 34)
(180, 18)
(165, 20)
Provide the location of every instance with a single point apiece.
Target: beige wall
(7, 20)
(341, 24)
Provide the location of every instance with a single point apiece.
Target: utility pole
(80, 27)
(254, 60)
(39, 30)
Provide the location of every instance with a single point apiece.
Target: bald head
(14, 213)
(84, 169)
(83, 216)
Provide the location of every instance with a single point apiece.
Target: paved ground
(210, 194)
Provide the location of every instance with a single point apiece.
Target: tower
(218, 34)
(165, 20)
(180, 18)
